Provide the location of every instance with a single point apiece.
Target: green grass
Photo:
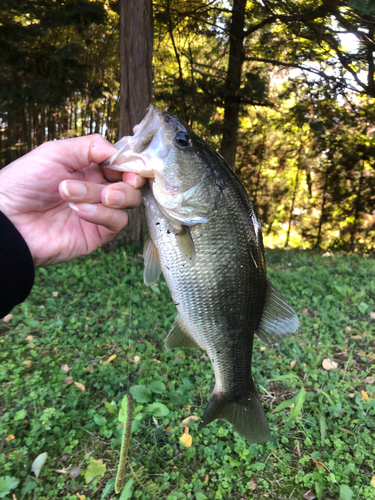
(103, 308)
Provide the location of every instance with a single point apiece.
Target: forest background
(283, 89)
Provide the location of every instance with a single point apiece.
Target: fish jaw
(143, 152)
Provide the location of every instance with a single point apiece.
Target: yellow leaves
(10, 438)
(8, 318)
(156, 361)
(111, 358)
(81, 497)
(318, 463)
(372, 315)
(292, 363)
(186, 438)
(186, 420)
(55, 294)
(29, 338)
(328, 364)
(169, 428)
(365, 396)
(80, 386)
(365, 355)
(373, 481)
(27, 363)
(95, 471)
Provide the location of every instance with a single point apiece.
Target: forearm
(16, 267)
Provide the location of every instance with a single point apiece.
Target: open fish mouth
(143, 152)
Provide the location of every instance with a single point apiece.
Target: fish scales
(205, 236)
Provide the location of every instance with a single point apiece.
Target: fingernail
(76, 189)
(115, 199)
(83, 207)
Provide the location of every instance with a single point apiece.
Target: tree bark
(233, 83)
(136, 37)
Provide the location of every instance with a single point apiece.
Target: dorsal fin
(152, 263)
(278, 319)
(179, 336)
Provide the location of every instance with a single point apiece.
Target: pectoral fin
(179, 336)
(152, 263)
(278, 319)
(186, 245)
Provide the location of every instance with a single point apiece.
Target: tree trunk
(136, 37)
(232, 102)
(293, 201)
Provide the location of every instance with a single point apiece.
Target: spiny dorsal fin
(278, 319)
(186, 245)
(152, 263)
(179, 336)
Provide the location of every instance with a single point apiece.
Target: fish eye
(182, 140)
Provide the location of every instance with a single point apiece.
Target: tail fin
(245, 412)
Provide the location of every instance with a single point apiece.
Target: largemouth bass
(206, 238)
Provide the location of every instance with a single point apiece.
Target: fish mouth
(142, 153)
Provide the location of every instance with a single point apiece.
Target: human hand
(60, 201)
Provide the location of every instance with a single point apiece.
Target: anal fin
(152, 263)
(179, 336)
(279, 320)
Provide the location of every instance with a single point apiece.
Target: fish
(206, 238)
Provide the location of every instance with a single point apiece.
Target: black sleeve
(16, 267)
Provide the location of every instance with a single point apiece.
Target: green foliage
(7, 484)
(123, 317)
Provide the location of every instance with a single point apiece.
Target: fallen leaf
(186, 420)
(372, 315)
(328, 364)
(315, 325)
(74, 473)
(68, 380)
(38, 463)
(369, 380)
(348, 329)
(169, 428)
(186, 439)
(27, 363)
(81, 497)
(29, 337)
(304, 311)
(111, 358)
(8, 318)
(10, 438)
(136, 359)
(206, 478)
(62, 471)
(86, 327)
(95, 471)
(365, 396)
(65, 368)
(80, 386)
(156, 360)
(351, 395)
(297, 450)
(309, 495)
(365, 355)
(253, 485)
(55, 294)
(292, 363)
(262, 349)
(373, 481)
(41, 307)
(89, 368)
(318, 463)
